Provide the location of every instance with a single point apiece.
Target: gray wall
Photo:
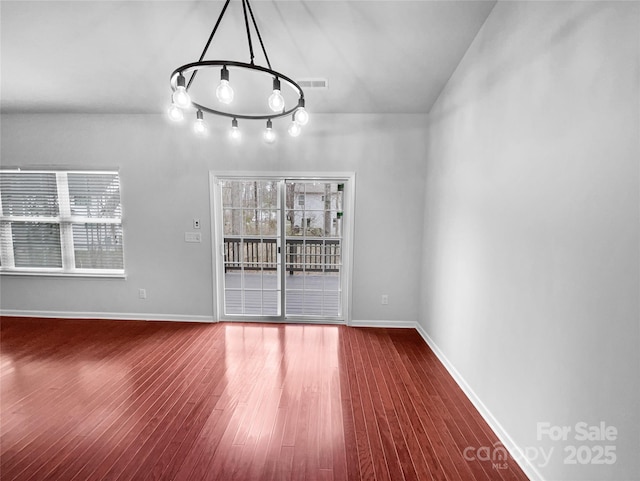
(531, 246)
(164, 174)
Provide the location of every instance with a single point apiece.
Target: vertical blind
(61, 221)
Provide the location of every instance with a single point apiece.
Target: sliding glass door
(313, 244)
(280, 247)
(251, 247)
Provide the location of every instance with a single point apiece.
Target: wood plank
(144, 415)
(68, 424)
(351, 456)
(190, 396)
(143, 401)
(430, 422)
(372, 415)
(399, 433)
(390, 373)
(475, 430)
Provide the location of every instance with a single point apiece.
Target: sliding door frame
(349, 178)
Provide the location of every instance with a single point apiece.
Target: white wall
(164, 175)
(531, 244)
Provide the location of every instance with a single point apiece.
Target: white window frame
(66, 221)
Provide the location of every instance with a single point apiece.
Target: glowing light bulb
(301, 116)
(294, 129)
(175, 113)
(269, 135)
(276, 100)
(200, 127)
(180, 96)
(235, 133)
(224, 92)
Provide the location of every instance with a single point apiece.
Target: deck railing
(311, 254)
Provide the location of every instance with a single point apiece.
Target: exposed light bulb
(180, 96)
(301, 116)
(200, 127)
(269, 135)
(276, 100)
(175, 113)
(294, 129)
(224, 92)
(235, 133)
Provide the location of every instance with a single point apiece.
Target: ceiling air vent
(313, 83)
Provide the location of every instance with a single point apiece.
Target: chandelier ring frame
(193, 67)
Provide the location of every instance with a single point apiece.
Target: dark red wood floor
(107, 400)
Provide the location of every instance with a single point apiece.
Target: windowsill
(40, 273)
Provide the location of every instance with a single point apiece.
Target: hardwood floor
(127, 400)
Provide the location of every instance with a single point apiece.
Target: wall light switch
(192, 237)
(385, 300)
(196, 223)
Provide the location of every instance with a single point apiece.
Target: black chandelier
(181, 100)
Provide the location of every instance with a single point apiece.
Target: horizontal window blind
(67, 222)
(94, 196)
(29, 194)
(97, 246)
(36, 244)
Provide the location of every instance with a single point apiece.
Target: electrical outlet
(142, 293)
(385, 299)
(196, 223)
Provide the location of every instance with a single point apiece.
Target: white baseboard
(506, 440)
(386, 323)
(125, 316)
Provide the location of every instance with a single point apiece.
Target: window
(61, 222)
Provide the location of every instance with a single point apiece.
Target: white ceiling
(379, 56)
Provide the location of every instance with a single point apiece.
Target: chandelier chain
(255, 25)
(206, 47)
(246, 24)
